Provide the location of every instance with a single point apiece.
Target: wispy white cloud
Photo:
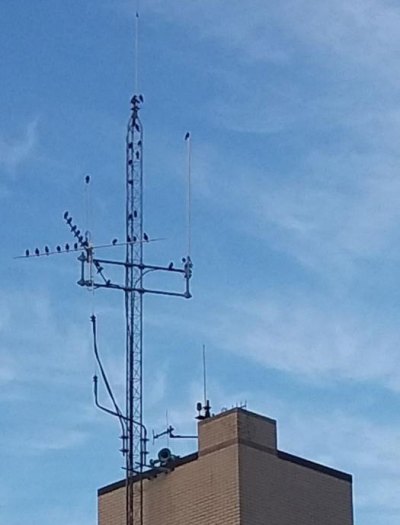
(364, 32)
(35, 346)
(57, 440)
(312, 339)
(15, 151)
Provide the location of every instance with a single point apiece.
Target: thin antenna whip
(204, 375)
(88, 235)
(188, 140)
(137, 48)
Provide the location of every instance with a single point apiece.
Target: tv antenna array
(134, 271)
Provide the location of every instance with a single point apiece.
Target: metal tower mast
(134, 435)
(133, 306)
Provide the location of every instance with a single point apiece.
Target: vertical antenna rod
(137, 48)
(188, 140)
(204, 375)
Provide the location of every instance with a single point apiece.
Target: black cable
(104, 375)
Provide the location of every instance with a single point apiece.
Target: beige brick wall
(280, 492)
(234, 426)
(204, 491)
(239, 478)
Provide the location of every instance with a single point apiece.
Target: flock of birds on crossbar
(82, 242)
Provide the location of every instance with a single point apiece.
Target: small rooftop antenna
(205, 407)
(204, 375)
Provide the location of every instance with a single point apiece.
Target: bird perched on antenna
(87, 179)
(145, 237)
(187, 136)
(37, 251)
(47, 250)
(114, 242)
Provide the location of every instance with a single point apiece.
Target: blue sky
(294, 112)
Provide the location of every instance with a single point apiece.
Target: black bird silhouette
(187, 136)
(128, 238)
(134, 239)
(170, 266)
(114, 242)
(87, 179)
(58, 248)
(37, 252)
(80, 239)
(75, 245)
(141, 98)
(146, 237)
(46, 249)
(73, 228)
(78, 232)
(66, 215)
(26, 253)
(135, 213)
(67, 247)
(69, 221)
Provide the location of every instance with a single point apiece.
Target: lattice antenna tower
(93, 276)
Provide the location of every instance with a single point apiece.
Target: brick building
(237, 477)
